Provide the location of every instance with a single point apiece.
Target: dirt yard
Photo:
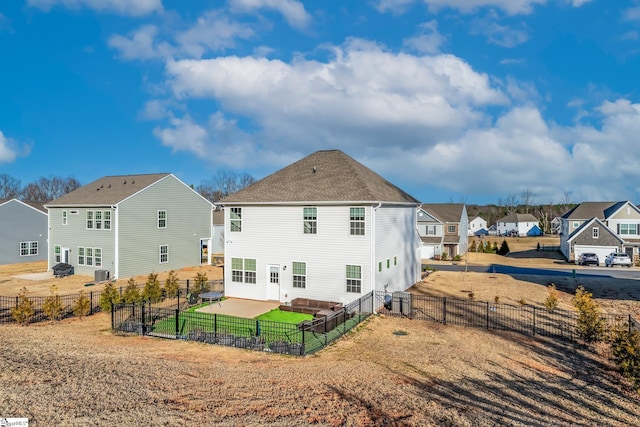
(388, 372)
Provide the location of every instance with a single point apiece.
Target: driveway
(238, 307)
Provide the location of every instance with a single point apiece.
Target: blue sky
(452, 100)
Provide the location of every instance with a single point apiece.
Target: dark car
(588, 258)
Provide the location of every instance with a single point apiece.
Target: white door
(601, 251)
(65, 255)
(273, 282)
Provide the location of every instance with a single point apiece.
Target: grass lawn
(277, 315)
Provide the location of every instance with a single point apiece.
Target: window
(162, 219)
(388, 263)
(596, 230)
(88, 258)
(236, 270)
(65, 217)
(97, 257)
(274, 274)
(628, 229)
(380, 266)
(89, 220)
(576, 224)
(235, 217)
(310, 220)
(80, 256)
(395, 260)
(164, 254)
(299, 274)
(57, 254)
(354, 278)
(249, 270)
(431, 230)
(28, 248)
(107, 220)
(356, 218)
(451, 228)
(98, 220)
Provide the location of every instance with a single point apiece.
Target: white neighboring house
(515, 223)
(477, 224)
(324, 228)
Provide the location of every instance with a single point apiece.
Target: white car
(616, 258)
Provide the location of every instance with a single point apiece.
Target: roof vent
(314, 169)
(125, 181)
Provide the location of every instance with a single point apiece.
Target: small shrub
(457, 258)
(590, 324)
(53, 306)
(152, 291)
(496, 299)
(82, 305)
(131, 293)
(552, 301)
(625, 348)
(504, 248)
(494, 248)
(522, 301)
(171, 286)
(444, 256)
(108, 297)
(472, 246)
(200, 284)
(24, 311)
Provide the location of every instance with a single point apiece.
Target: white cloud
(363, 97)
(213, 31)
(428, 40)
(511, 7)
(292, 10)
(184, 135)
(497, 34)
(141, 44)
(123, 7)
(578, 3)
(631, 14)
(10, 149)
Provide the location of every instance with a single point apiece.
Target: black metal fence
(68, 302)
(526, 319)
(260, 335)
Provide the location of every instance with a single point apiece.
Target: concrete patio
(238, 307)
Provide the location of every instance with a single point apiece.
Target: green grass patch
(277, 315)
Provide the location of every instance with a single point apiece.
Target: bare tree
(527, 197)
(9, 187)
(46, 189)
(511, 203)
(223, 184)
(566, 202)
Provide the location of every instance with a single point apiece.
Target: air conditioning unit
(101, 275)
(401, 303)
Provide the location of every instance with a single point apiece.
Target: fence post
(257, 328)
(487, 314)
(629, 323)
(215, 325)
(179, 297)
(534, 320)
(304, 349)
(113, 316)
(444, 310)
(91, 303)
(177, 321)
(144, 322)
(187, 286)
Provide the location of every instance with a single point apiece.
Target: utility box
(401, 303)
(101, 275)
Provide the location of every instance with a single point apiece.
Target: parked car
(588, 258)
(615, 258)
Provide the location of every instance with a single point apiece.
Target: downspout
(373, 269)
(116, 257)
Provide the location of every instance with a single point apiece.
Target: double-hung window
(65, 217)
(164, 254)
(107, 220)
(235, 219)
(596, 232)
(354, 278)
(162, 219)
(88, 259)
(451, 228)
(243, 270)
(310, 219)
(89, 220)
(299, 274)
(237, 272)
(97, 257)
(57, 253)
(431, 230)
(98, 220)
(80, 256)
(356, 221)
(249, 270)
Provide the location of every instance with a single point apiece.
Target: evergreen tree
(53, 306)
(131, 293)
(108, 297)
(24, 311)
(172, 286)
(82, 306)
(590, 324)
(152, 291)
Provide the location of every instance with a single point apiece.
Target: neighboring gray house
(516, 224)
(326, 228)
(621, 219)
(443, 228)
(23, 234)
(129, 225)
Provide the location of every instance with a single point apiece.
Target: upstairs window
(356, 221)
(431, 230)
(596, 232)
(235, 219)
(451, 228)
(628, 229)
(89, 220)
(107, 220)
(162, 219)
(98, 220)
(310, 219)
(65, 217)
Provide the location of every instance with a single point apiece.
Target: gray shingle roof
(445, 212)
(588, 210)
(324, 176)
(107, 191)
(517, 217)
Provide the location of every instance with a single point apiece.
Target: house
(556, 224)
(516, 224)
(129, 225)
(579, 233)
(477, 224)
(217, 231)
(23, 235)
(326, 228)
(443, 229)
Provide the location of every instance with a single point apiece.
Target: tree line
(46, 189)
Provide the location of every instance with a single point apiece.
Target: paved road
(614, 272)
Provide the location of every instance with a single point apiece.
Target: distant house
(515, 224)
(23, 234)
(217, 232)
(602, 228)
(443, 228)
(129, 225)
(325, 227)
(556, 225)
(477, 224)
